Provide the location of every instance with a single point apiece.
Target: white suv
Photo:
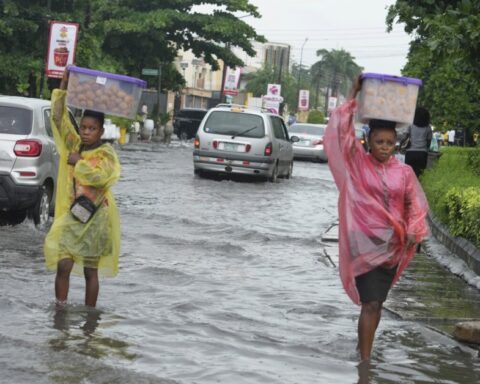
(233, 139)
(28, 160)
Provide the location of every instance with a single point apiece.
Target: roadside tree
(122, 36)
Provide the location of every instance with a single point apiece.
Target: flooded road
(220, 282)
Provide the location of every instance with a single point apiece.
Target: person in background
(451, 137)
(292, 119)
(439, 137)
(87, 170)
(382, 211)
(420, 134)
(144, 112)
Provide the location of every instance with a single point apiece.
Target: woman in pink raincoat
(382, 211)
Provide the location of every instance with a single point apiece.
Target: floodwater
(221, 281)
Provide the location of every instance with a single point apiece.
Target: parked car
(362, 137)
(236, 139)
(28, 160)
(186, 122)
(310, 143)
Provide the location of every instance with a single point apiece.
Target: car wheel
(184, 136)
(274, 176)
(40, 213)
(290, 171)
(12, 217)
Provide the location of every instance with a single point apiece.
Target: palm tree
(335, 70)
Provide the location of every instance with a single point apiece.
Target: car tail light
(268, 149)
(318, 142)
(215, 144)
(28, 148)
(27, 174)
(196, 143)
(248, 147)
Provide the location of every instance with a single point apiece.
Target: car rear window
(307, 129)
(15, 121)
(359, 133)
(235, 123)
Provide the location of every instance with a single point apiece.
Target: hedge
(452, 188)
(316, 117)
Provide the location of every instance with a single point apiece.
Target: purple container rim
(398, 79)
(113, 76)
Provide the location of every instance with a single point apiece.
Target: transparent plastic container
(387, 97)
(104, 92)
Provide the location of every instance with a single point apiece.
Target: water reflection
(78, 333)
(364, 372)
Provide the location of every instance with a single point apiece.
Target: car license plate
(232, 147)
(304, 143)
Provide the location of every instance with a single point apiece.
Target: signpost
(149, 72)
(155, 72)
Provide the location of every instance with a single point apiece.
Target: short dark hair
(99, 116)
(375, 124)
(422, 117)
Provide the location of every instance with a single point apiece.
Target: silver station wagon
(233, 139)
(28, 160)
(310, 144)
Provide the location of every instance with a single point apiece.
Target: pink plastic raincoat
(379, 204)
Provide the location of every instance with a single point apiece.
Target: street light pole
(300, 69)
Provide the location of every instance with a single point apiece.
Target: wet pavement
(224, 282)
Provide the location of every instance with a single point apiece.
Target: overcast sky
(356, 26)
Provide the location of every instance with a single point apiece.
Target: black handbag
(83, 209)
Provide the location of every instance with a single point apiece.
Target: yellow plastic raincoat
(95, 244)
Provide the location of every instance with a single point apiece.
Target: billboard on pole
(303, 100)
(332, 103)
(62, 44)
(232, 80)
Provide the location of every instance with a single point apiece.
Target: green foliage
(316, 117)
(257, 84)
(473, 161)
(123, 36)
(164, 118)
(336, 68)
(453, 192)
(463, 207)
(122, 122)
(444, 54)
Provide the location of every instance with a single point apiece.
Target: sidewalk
(427, 292)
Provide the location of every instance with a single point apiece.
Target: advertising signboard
(303, 100)
(332, 103)
(232, 80)
(62, 43)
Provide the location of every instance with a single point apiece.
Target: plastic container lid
(398, 79)
(113, 76)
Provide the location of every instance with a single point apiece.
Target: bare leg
(91, 286)
(367, 325)
(62, 279)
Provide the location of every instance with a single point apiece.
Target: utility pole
(42, 74)
(300, 70)
(159, 90)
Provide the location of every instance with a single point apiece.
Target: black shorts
(417, 160)
(375, 284)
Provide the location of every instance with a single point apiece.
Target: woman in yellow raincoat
(87, 168)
